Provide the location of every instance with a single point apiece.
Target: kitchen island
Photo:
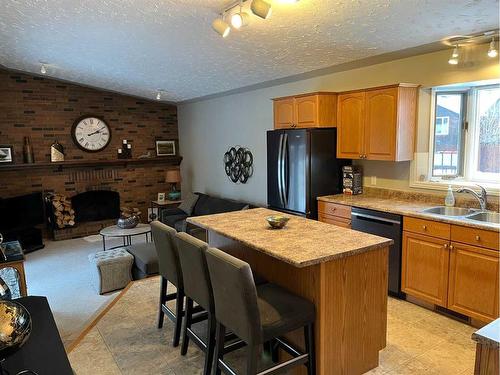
(344, 272)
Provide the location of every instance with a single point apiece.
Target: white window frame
(447, 118)
(490, 181)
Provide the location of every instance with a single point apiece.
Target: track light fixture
(261, 8)
(158, 95)
(43, 69)
(240, 19)
(454, 56)
(221, 27)
(492, 51)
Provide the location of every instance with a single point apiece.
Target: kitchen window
(465, 134)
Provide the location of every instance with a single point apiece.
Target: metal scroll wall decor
(238, 164)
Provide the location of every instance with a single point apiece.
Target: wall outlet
(374, 180)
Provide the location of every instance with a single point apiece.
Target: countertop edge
(410, 213)
(324, 259)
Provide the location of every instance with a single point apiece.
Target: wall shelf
(163, 160)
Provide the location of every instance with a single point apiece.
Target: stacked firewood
(63, 212)
(127, 212)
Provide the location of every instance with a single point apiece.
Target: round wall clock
(91, 133)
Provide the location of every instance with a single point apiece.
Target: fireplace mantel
(165, 160)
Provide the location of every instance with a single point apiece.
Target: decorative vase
(28, 156)
(128, 222)
(56, 152)
(15, 328)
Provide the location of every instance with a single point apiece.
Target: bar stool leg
(163, 292)
(309, 341)
(252, 359)
(209, 355)
(179, 306)
(220, 335)
(187, 324)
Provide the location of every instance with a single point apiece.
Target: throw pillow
(188, 203)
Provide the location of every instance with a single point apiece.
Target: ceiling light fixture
(261, 8)
(158, 95)
(239, 19)
(221, 27)
(492, 51)
(454, 56)
(43, 69)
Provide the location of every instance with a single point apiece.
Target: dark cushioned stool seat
(281, 311)
(145, 260)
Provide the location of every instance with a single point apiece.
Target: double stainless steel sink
(465, 213)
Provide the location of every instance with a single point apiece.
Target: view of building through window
(467, 134)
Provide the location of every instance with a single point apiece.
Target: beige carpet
(126, 341)
(61, 272)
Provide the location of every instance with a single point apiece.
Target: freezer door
(275, 169)
(296, 170)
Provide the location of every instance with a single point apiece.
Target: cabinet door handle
(446, 245)
(451, 247)
(424, 227)
(478, 238)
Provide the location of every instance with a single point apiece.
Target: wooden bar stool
(257, 314)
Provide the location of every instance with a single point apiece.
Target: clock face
(91, 133)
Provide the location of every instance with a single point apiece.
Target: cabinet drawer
(427, 227)
(334, 209)
(335, 220)
(475, 237)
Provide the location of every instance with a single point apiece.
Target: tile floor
(126, 341)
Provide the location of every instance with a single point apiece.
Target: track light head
(43, 69)
(454, 57)
(158, 95)
(239, 19)
(221, 27)
(492, 51)
(261, 8)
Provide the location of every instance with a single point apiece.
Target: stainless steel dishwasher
(385, 225)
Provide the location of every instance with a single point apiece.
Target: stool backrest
(197, 284)
(235, 295)
(166, 248)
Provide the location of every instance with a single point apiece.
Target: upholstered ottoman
(111, 269)
(145, 260)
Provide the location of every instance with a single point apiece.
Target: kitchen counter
(301, 243)
(403, 207)
(489, 335)
(343, 272)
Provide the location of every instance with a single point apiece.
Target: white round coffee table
(125, 234)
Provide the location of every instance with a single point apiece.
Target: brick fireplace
(45, 110)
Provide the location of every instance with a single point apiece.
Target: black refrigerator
(302, 165)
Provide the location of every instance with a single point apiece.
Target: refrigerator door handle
(280, 169)
(284, 173)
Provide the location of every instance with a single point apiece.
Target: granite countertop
(403, 207)
(303, 242)
(489, 334)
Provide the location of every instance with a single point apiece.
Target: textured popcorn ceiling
(138, 46)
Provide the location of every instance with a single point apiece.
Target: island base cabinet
(424, 271)
(350, 295)
(472, 291)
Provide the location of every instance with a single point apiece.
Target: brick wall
(45, 110)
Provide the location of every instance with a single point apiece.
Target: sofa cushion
(188, 203)
(171, 216)
(145, 257)
(207, 205)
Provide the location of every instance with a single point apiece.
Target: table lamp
(173, 177)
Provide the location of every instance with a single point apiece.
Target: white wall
(208, 128)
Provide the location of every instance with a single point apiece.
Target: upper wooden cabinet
(377, 123)
(306, 111)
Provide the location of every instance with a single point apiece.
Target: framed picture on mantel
(165, 148)
(6, 154)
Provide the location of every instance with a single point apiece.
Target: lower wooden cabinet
(473, 281)
(333, 213)
(424, 271)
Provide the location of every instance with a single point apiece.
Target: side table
(157, 207)
(13, 256)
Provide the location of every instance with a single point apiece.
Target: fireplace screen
(96, 205)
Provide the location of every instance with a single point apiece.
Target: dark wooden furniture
(15, 259)
(44, 351)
